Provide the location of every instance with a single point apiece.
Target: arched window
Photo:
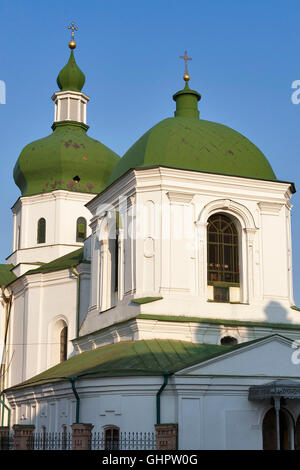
(80, 230)
(63, 344)
(286, 431)
(41, 231)
(111, 438)
(222, 256)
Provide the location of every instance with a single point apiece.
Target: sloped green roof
(64, 262)
(129, 358)
(6, 276)
(133, 358)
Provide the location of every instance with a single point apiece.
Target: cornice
(179, 197)
(69, 93)
(270, 208)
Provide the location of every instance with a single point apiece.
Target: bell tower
(57, 175)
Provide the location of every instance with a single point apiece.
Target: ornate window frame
(246, 228)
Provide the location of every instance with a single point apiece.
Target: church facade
(156, 288)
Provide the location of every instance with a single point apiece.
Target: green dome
(190, 143)
(71, 77)
(67, 159)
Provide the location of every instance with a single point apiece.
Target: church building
(152, 289)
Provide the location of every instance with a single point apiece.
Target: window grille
(222, 251)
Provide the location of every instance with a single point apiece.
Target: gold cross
(73, 28)
(185, 58)
(72, 43)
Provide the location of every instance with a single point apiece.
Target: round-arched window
(41, 231)
(64, 344)
(222, 250)
(80, 230)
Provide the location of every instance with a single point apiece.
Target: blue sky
(245, 58)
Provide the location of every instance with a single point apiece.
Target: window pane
(81, 230)
(221, 294)
(222, 250)
(63, 344)
(41, 231)
(111, 438)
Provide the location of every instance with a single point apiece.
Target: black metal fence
(126, 441)
(7, 440)
(51, 441)
(63, 441)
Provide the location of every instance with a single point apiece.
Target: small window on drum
(111, 438)
(228, 341)
(80, 230)
(41, 231)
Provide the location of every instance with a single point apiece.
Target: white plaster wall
(210, 416)
(40, 301)
(60, 209)
(168, 252)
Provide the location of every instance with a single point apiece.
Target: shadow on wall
(276, 313)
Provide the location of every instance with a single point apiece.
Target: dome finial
(185, 57)
(71, 78)
(72, 43)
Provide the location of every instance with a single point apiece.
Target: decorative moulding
(179, 197)
(270, 208)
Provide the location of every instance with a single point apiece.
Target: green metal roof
(190, 143)
(130, 358)
(66, 159)
(64, 262)
(71, 77)
(6, 276)
(133, 358)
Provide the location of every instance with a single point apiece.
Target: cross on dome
(185, 57)
(72, 43)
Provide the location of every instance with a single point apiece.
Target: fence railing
(98, 441)
(126, 441)
(52, 441)
(7, 440)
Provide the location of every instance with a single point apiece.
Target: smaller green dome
(67, 159)
(71, 77)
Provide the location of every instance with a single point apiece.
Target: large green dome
(190, 143)
(67, 159)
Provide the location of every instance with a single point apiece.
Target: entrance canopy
(288, 389)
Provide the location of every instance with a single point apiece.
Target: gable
(273, 356)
